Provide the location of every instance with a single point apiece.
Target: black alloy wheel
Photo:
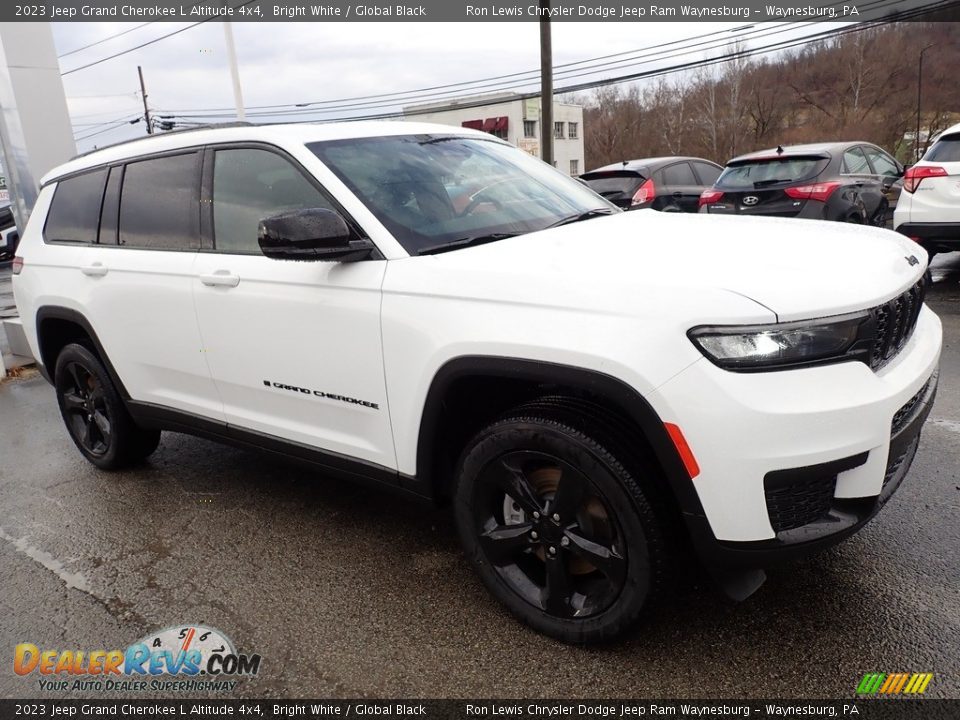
(87, 415)
(558, 529)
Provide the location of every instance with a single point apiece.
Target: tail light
(17, 265)
(817, 191)
(710, 196)
(915, 175)
(645, 193)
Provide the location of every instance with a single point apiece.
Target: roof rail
(210, 126)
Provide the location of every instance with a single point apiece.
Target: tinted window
(752, 174)
(158, 204)
(75, 212)
(613, 184)
(250, 185)
(946, 149)
(855, 162)
(882, 163)
(431, 190)
(678, 174)
(708, 173)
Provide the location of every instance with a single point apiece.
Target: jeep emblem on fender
(751, 200)
(912, 259)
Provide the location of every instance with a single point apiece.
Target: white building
(515, 120)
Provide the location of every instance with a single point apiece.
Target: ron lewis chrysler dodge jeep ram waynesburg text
(591, 390)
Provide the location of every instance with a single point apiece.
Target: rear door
(856, 171)
(677, 187)
(139, 282)
(888, 173)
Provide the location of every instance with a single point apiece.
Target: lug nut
(565, 541)
(553, 550)
(536, 515)
(556, 517)
(534, 535)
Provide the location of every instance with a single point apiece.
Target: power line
(151, 42)
(106, 39)
(114, 126)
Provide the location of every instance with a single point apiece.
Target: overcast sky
(304, 62)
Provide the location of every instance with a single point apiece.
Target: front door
(294, 347)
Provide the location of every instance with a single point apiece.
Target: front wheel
(94, 413)
(558, 529)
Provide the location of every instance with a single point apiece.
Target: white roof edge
(275, 134)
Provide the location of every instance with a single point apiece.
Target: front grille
(894, 322)
(800, 503)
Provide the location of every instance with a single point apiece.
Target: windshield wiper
(596, 212)
(466, 242)
(775, 181)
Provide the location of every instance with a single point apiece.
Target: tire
(585, 578)
(94, 413)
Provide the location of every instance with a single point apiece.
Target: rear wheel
(94, 413)
(558, 529)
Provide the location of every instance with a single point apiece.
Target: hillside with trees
(857, 86)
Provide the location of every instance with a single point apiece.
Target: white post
(234, 70)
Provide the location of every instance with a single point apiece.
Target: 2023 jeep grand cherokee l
(435, 309)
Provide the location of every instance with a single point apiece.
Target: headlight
(745, 348)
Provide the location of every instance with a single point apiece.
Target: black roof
(646, 164)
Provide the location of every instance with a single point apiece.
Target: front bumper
(760, 437)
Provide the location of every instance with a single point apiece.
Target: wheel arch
(530, 378)
(57, 327)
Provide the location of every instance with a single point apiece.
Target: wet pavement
(346, 592)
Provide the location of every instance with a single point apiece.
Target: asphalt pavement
(346, 592)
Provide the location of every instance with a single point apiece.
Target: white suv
(929, 208)
(433, 309)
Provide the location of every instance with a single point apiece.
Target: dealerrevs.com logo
(187, 658)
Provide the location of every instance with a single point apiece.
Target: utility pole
(146, 109)
(234, 70)
(916, 143)
(546, 84)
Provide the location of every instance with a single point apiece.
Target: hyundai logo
(751, 200)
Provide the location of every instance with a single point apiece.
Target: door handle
(220, 278)
(96, 269)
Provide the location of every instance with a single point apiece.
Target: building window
(529, 128)
(558, 131)
(572, 130)
(574, 167)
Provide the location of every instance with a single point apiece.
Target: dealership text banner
(475, 10)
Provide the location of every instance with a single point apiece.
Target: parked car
(663, 183)
(9, 237)
(853, 182)
(929, 210)
(533, 358)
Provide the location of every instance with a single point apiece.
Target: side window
(159, 205)
(249, 185)
(75, 211)
(882, 163)
(708, 173)
(855, 162)
(678, 174)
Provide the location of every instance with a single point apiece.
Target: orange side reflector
(686, 454)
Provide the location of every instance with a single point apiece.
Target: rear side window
(159, 208)
(754, 174)
(855, 162)
(678, 174)
(75, 211)
(708, 173)
(614, 183)
(946, 149)
(882, 163)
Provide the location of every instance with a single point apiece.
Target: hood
(798, 269)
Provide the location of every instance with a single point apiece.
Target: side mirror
(312, 234)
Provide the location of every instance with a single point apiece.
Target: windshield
(613, 183)
(434, 190)
(747, 175)
(946, 149)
